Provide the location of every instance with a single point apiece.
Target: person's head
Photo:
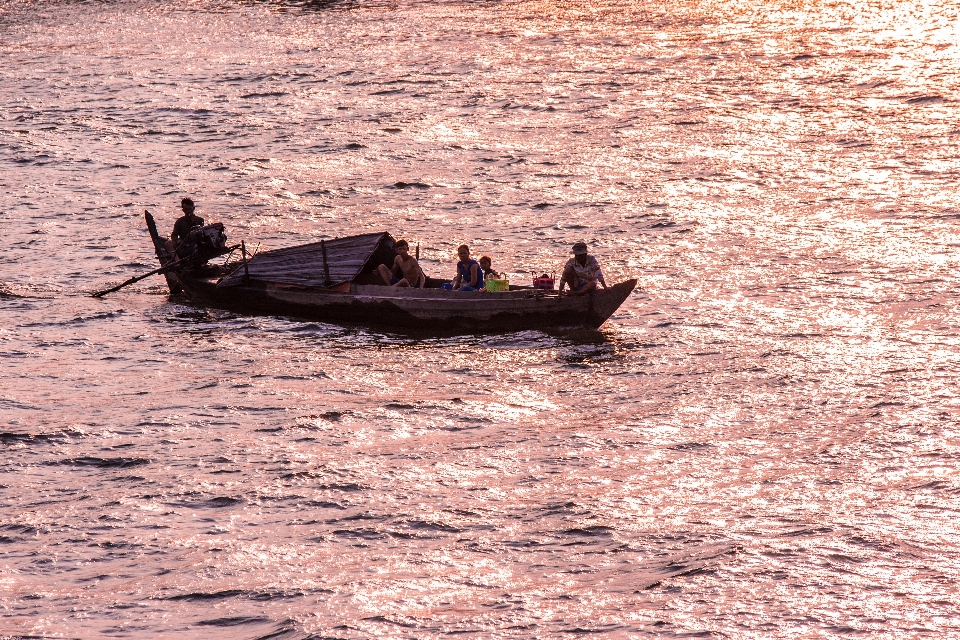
(464, 252)
(485, 263)
(580, 252)
(402, 247)
(187, 205)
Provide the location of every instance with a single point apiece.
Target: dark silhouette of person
(188, 221)
(177, 245)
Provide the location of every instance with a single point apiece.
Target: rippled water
(763, 442)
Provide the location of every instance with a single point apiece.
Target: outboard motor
(202, 244)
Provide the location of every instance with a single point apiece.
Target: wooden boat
(336, 281)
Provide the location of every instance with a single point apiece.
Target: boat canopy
(303, 265)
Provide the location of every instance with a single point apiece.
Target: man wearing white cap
(582, 272)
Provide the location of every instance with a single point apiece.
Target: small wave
(809, 531)
(7, 292)
(323, 504)
(262, 596)
(932, 99)
(399, 406)
(598, 530)
(234, 621)
(358, 517)
(221, 502)
(560, 507)
(105, 463)
(182, 110)
(286, 631)
(362, 533)
(698, 560)
(342, 486)
(391, 620)
(432, 526)
(79, 319)
(7, 437)
(26, 529)
(933, 485)
(202, 596)
(690, 446)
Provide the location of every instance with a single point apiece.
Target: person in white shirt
(582, 272)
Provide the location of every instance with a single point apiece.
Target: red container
(543, 283)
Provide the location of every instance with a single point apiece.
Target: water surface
(762, 442)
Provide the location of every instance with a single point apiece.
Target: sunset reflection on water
(762, 441)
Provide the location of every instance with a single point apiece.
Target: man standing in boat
(582, 272)
(406, 270)
(182, 227)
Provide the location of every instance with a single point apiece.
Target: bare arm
(475, 276)
(565, 279)
(420, 280)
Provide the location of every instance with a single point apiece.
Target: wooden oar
(170, 266)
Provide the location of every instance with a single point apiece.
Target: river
(762, 442)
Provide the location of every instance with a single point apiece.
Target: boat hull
(417, 309)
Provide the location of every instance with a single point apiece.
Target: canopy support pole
(326, 267)
(246, 269)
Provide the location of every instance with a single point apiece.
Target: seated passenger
(582, 272)
(487, 267)
(176, 245)
(469, 274)
(406, 270)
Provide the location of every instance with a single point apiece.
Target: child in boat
(487, 267)
(406, 270)
(469, 274)
(582, 272)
